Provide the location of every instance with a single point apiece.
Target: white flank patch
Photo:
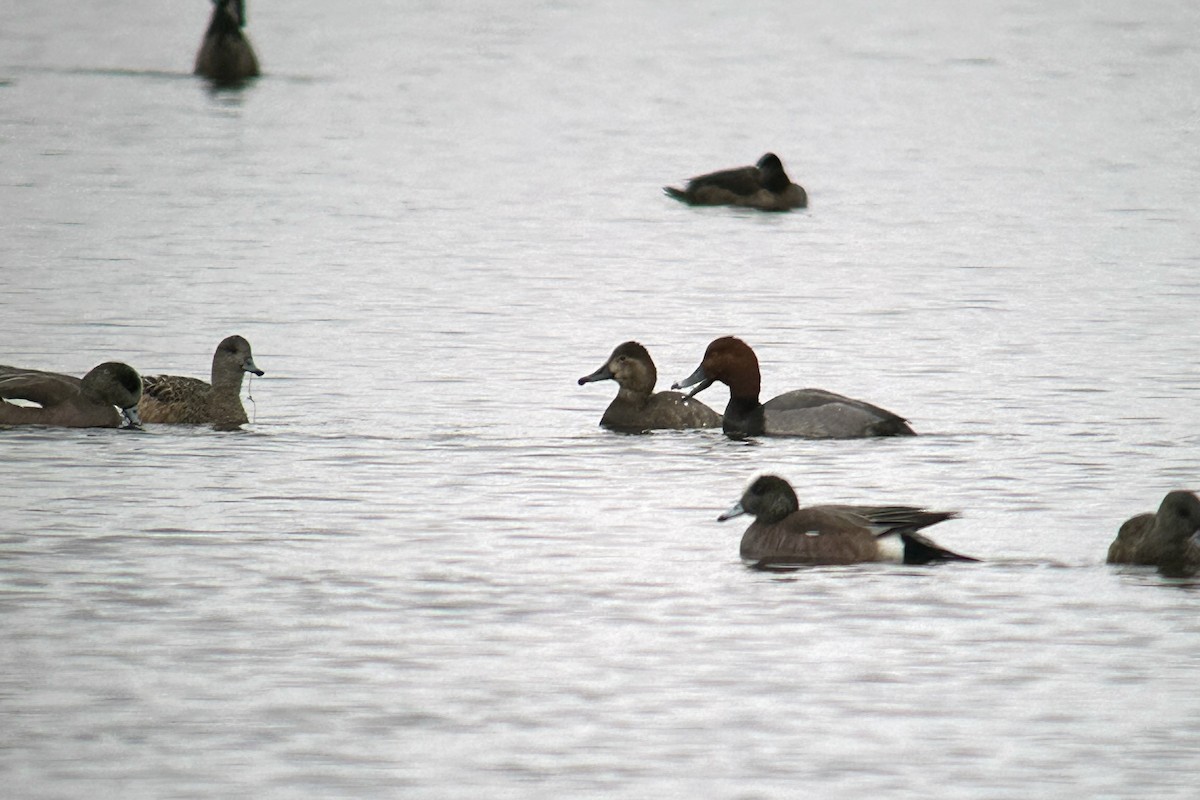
(891, 548)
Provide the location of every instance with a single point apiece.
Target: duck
(70, 402)
(225, 55)
(636, 408)
(809, 413)
(765, 186)
(173, 399)
(783, 533)
(1167, 539)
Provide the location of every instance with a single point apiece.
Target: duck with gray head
(637, 408)
(783, 533)
(1168, 539)
(764, 186)
(67, 401)
(174, 399)
(225, 56)
(809, 413)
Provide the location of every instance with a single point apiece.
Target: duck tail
(920, 550)
(893, 426)
(678, 194)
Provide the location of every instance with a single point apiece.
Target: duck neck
(226, 377)
(744, 416)
(1169, 544)
(634, 397)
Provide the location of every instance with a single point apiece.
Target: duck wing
(892, 519)
(173, 388)
(822, 414)
(725, 187)
(1124, 548)
(813, 535)
(739, 181)
(44, 388)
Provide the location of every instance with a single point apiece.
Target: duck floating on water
(174, 399)
(764, 186)
(1168, 539)
(225, 56)
(810, 413)
(636, 408)
(783, 533)
(67, 401)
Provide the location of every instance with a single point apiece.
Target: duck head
(768, 498)
(771, 174)
(730, 361)
(115, 384)
(630, 366)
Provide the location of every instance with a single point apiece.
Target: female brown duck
(190, 401)
(636, 408)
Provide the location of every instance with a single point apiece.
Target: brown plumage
(67, 401)
(174, 399)
(784, 533)
(225, 55)
(764, 186)
(636, 408)
(1165, 539)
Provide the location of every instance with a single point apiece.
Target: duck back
(819, 414)
(661, 411)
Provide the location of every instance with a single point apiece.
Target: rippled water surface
(424, 571)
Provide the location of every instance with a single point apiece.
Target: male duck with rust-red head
(809, 413)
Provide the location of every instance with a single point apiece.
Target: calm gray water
(424, 571)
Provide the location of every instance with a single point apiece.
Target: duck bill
(132, 420)
(699, 379)
(735, 510)
(249, 366)
(602, 374)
